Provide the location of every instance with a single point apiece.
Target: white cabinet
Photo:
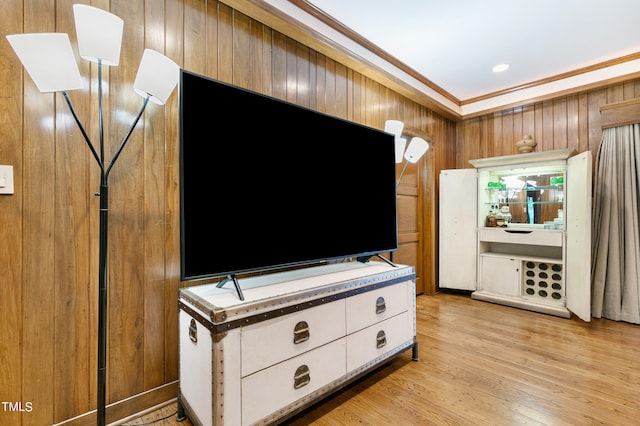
(535, 252)
(296, 337)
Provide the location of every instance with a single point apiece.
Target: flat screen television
(267, 184)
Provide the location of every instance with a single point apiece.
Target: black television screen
(265, 183)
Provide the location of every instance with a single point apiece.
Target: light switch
(6, 179)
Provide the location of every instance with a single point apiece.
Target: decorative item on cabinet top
(527, 144)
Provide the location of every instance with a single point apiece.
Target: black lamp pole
(104, 235)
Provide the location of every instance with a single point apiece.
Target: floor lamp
(50, 61)
(416, 149)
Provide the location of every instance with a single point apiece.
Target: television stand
(299, 336)
(235, 283)
(365, 259)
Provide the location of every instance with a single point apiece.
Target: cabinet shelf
(528, 188)
(511, 203)
(522, 257)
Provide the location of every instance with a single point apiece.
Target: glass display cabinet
(524, 198)
(515, 230)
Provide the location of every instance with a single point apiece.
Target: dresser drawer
(269, 390)
(378, 339)
(374, 306)
(269, 342)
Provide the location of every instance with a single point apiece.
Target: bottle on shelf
(491, 219)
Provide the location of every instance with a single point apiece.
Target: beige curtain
(615, 233)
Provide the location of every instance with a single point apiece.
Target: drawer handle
(193, 331)
(301, 377)
(301, 332)
(381, 306)
(381, 339)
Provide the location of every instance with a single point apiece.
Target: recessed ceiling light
(500, 67)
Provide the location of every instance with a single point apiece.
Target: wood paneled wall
(571, 121)
(49, 227)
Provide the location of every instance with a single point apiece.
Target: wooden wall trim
(620, 113)
(130, 407)
(274, 18)
(352, 35)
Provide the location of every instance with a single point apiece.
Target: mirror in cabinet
(525, 198)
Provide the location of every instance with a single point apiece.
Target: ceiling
(453, 44)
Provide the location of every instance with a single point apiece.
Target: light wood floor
(486, 364)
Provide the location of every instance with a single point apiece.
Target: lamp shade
(48, 59)
(400, 144)
(99, 34)
(394, 127)
(417, 148)
(157, 76)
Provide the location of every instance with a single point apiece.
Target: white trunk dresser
(296, 337)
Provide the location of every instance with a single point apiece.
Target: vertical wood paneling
(279, 66)
(125, 365)
(517, 134)
(303, 76)
(291, 83)
(372, 102)
(528, 121)
(469, 141)
(632, 89)
(496, 145)
(595, 100)
(573, 128)
(197, 37)
(13, 327)
(154, 222)
(615, 93)
(356, 94)
(330, 87)
(546, 141)
(225, 43)
(175, 30)
(321, 82)
(507, 132)
(427, 237)
(210, 30)
(341, 91)
(583, 123)
(258, 79)
(560, 124)
(313, 80)
(73, 285)
(241, 50)
(36, 196)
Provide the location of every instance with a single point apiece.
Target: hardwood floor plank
(487, 364)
